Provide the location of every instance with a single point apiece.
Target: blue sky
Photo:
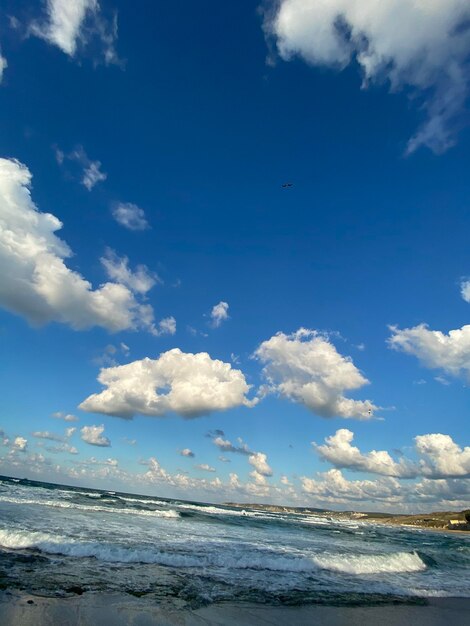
(164, 136)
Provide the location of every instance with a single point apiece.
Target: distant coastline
(454, 521)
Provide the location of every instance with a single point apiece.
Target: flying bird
(287, 185)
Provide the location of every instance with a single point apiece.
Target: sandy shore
(93, 609)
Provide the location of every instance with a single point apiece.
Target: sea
(59, 541)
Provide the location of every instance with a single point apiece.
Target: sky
(234, 249)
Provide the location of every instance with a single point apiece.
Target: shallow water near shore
(62, 541)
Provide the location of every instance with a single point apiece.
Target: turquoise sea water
(56, 540)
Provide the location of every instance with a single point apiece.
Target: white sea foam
(351, 564)
(142, 501)
(111, 553)
(316, 521)
(18, 539)
(371, 563)
(170, 513)
(215, 510)
(88, 494)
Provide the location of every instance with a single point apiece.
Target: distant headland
(441, 520)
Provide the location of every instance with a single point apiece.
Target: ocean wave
(263, 560)
(111, 553)
(371, 563)
(18, 539)
(215, 510)
(142, 501)
(170, 513)
(90, 494)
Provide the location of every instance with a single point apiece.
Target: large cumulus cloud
(439, 456)
(306, 367)
(188, 384)
(36, 282)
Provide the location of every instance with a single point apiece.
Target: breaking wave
(170, 513)
(263, 560)
(372, 563)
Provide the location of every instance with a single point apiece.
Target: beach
(22, 609)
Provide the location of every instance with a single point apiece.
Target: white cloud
(305, 367)
(63, 447)
(107, 357)
(435, 349)
(94, 436)
(45, 434)
(339, 452)
(205, 467)
(333, 487)
(94, 461)
(3, 66)
(91, 173)
(166, 326)
(130, 442)
(465, 290)
(442, 457)
(330, 489)
(227, 446)
(20, 444)
(130, 216)
(37, 284)
(259, 478)
(188, 384)
(218, 490)
(259, 461)
(117, 269)
(448, 493)
(187, 452)
(74, 24)
(219, 314)
(234, 480)
(419, 46)
(65, 22)
(67, 417)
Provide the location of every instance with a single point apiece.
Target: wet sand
(95, 609)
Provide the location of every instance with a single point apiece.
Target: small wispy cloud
(73, 25)
(3, 66)
(91, 173)
(205, 467)
(67, 417)
(187, 452)
(130, 216)
(219, 314)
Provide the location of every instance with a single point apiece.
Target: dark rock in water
(30, 601)
(75, 589)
